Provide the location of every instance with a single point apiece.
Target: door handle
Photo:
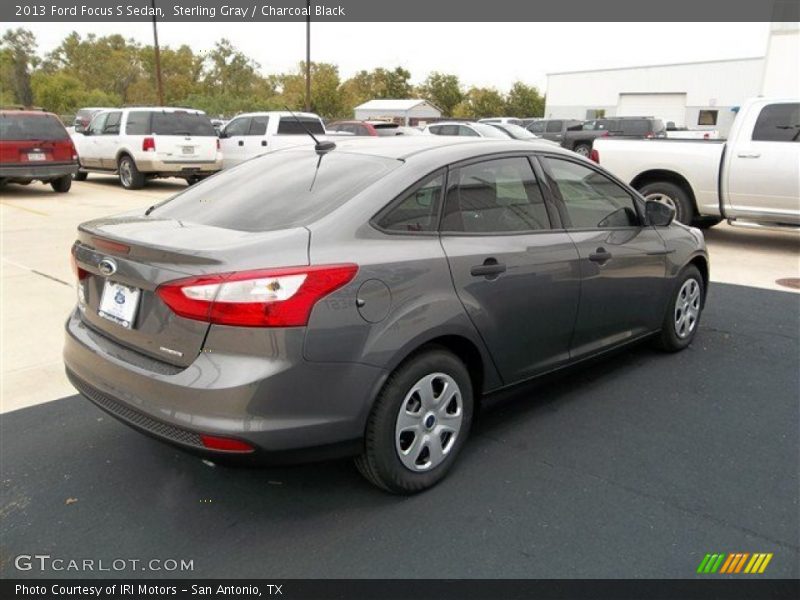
(489, 269)
(263, 142)
(601, 255)
(749, 154)
(241, 142)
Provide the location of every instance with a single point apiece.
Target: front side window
(707, 117)
(590, 199)
(537, 127)
(98, 124)
(778, 123)
(417, 211)
(238, 127)
(112, 123)
(496, 196)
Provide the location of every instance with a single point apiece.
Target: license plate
(37, 156)
(188, 149)
(119, 303)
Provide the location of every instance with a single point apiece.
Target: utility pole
(308, 56)
(158, 57)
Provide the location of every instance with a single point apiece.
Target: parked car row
(579, 136)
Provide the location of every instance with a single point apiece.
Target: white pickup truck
(752, 178)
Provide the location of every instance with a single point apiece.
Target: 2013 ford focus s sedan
(362, 300)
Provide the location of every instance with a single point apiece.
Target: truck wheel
(418, 424)
(683, 311)
(80, 176)
(62, 184)
(707, 222)
(129, 176)
(583, 150)
(671, 195)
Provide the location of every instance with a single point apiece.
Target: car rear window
(284, 189)
(290, 126)
(31, 127)
(181, 123)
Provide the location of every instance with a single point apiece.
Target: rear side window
(31, 127)
(289, 188)
(591, 200)
(258, 126)
(495, 196)
(290, 126)
(417, 211)
(635, 127)
(554, 126)
(138, 123)
(778, 123)
(182, 123)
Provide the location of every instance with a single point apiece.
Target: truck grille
(134, 417)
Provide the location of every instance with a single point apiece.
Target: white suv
(145, 142)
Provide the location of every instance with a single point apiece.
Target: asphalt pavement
(634, 466)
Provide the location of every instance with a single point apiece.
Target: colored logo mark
(735, 562)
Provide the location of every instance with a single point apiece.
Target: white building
(701, 95)
(409, 112)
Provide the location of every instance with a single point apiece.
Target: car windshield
(517, 132)
(277, 191)
(181, 123)
(489, 131)
(31, 127)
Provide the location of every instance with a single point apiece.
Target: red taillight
(80, 274)
(264, 298)
(73, 150)
(213, 442)
(650, 135)
(149, 144)
(595, 156)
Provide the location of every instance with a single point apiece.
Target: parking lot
(637, 465)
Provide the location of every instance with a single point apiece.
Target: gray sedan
(363, 300)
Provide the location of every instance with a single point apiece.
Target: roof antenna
(322, 147)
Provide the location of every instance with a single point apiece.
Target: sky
(481, 54)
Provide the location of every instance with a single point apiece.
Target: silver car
(363, 300)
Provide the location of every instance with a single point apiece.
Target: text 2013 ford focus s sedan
(363, 300)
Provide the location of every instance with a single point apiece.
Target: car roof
(425, 147)
(277, 113)
(27, 113)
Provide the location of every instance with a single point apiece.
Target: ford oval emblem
(107, 267)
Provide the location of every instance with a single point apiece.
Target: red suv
(34, 145)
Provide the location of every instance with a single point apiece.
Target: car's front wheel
(683, 312)
(129, 175)
(418, 424)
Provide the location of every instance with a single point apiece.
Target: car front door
(516, 275)
(89, 152)
(763, 173)
(232, 142)
(108, 141)
(622, 261)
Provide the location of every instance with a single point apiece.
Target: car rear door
(516, 275)
(233, 140)
(622, 262)
(255, 142)
(553, 131)
(763, 168)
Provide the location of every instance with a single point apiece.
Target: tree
(479, 103)
(442, 90)
(19, 48)
(325, 97)
(524, 101)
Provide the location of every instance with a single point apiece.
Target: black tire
(707, 222)
(129, 175)
(191, 180)
(684, 209)
(583, 149)
(62, 184)
(80, 176)
(380, 462)
(669, 340)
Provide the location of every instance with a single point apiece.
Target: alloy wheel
(687, 308)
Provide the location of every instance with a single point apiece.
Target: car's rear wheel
(418, 424)
(129, 175)
(683, 312)
(583, 150)
(671, 195)
(62, 184)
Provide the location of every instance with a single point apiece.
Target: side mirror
(222, 134)
(658, 214)
(80, 128)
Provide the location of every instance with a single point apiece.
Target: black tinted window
(418, 210)
(258, 126)
(112, 123)
(31, 127)
(554, 126)
(635, 126)
(290, 126)
(138, 123)
(278, 190)
(778, 123)
(591, 199)
(182, 123)
(495, 196)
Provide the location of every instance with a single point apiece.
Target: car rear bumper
(44, 171)
(287, 408)
(179, 167)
